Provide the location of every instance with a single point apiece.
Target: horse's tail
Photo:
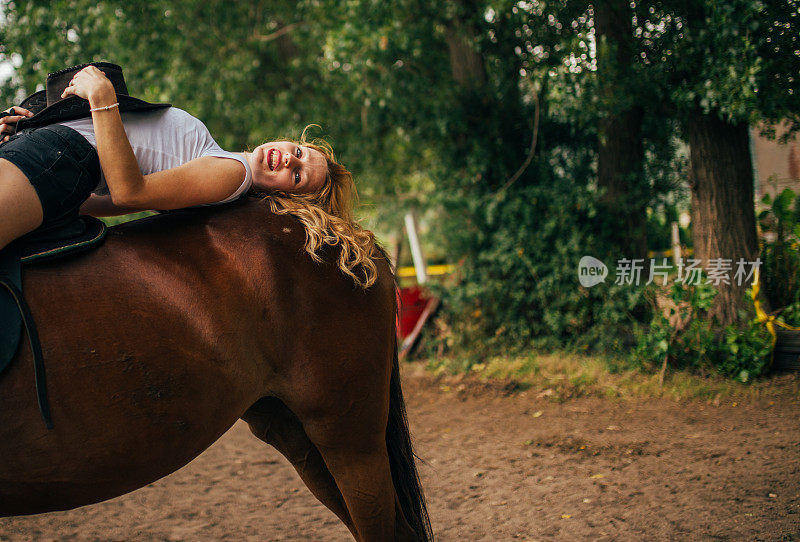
(402, 460)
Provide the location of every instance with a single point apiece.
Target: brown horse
(180, 324)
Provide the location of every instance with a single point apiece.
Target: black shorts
(60, 164)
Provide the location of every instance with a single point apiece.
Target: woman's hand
(8, 123)
(91, 84)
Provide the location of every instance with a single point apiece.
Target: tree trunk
(723, 210)
(466, 63)
(620, 157)
(620, 172)
(495, 121)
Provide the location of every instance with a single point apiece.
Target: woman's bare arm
(202, 180)
(116, 156)
(103, 206)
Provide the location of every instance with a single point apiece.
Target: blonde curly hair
(327, 216)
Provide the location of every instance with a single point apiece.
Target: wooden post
(676, 243)
(416, 249)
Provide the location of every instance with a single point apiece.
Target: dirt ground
(499, 467)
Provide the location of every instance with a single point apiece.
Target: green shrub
(689, 339)
(518, 277)
(791, 314)
(743, 353)
(780, 257)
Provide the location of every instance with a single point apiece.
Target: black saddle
(75, 235)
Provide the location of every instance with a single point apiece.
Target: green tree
(249, 70)
(476, 84)
(725, 66)
(496, 116)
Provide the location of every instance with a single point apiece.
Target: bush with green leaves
(678, 331)
(791, 314)
(743, 352)
(518, 280)
(682, 333)
(780, 256)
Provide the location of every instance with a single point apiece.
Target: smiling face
(287, 166)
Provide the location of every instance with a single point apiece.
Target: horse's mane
(357, 246)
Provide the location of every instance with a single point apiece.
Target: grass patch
(114, 220)
(563, 375)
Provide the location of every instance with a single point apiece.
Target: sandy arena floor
(500, 467)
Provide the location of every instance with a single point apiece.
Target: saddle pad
(85, 233)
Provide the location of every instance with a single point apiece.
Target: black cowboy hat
(49, 107)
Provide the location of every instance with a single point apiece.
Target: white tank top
(163, 139)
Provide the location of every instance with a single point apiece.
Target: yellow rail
(433, 270)
(445, 269)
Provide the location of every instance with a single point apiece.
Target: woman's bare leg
(20, 208)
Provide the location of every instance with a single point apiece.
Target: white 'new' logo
(591, 271)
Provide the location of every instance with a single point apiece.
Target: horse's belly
(119, 425)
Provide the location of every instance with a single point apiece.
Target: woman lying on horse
(179, 325)
(154, 156)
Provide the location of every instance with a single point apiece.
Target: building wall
(777, 166)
